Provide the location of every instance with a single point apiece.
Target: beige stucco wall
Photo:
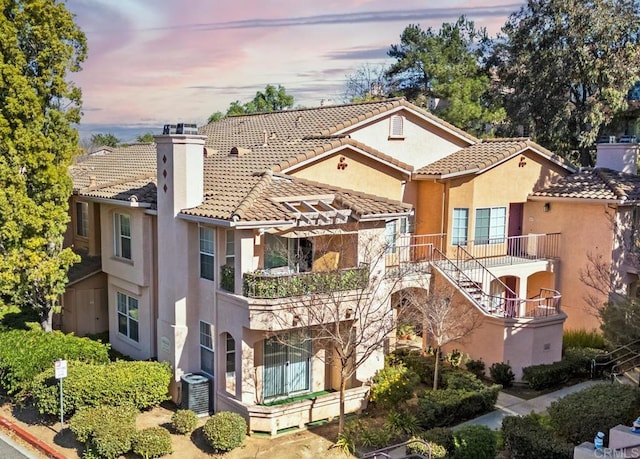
(422, 144)
(85, 306)
(585, 229)
(91, 243)
(352, 170)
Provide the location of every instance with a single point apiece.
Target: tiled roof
(87, 266)
(288, 126)
(261, 199)
(479, 157)
(595, 184)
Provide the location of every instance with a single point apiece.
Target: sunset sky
(152, 62)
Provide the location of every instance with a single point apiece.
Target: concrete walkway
(508, 405)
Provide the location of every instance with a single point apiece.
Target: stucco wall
(585, 229)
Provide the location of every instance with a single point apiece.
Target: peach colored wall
(423, 142)
(495, 187)
(585, 228)
(361, 173)
(539, 280)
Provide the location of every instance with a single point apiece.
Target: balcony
(271, 284)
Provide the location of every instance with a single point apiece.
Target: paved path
(508, 405)
(11, 450)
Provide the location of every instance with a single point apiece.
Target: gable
(409, 137)
(349, 168)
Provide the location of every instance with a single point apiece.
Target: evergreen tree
(39, 44)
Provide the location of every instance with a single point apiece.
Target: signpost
(61, 373)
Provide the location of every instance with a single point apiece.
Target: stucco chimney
(180, 159)
(622, 157)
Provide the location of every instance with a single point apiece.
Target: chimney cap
(180, 128)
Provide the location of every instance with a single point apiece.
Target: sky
(152, 62)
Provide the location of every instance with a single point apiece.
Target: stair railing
(606, 362)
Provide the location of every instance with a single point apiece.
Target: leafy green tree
(109, 140)
(567, 67)
(271, 100)
(147, 137)
(39, 44)
(446, 66)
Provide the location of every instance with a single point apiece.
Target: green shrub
(375, 437)
(461, 380)
(152, 442)
(403, 422)
(26, 353)
(393, 385)
(349, 436)
(441, 436)
(136, 383)
(475, 442)
(580, 359)
(448, 407)
(501, 374)
(547, 375)
(582, 338)
(476, 367)
(421, 365)
(425, 448)
(184, 421)
(527, 438)
(225, 431)
(576, 417)
(107, 431)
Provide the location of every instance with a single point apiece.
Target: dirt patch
(305, 444)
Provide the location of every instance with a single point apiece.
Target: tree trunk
(343, 389)
(46, 318)
(436, 369)
(586, 160)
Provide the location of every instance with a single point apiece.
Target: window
(231, 248)
(390, 236)
(231, 356)
(207, 254)
(122, 233)
(396, 128)
(82, 219)
(490, 225)
(287, 365)
(206, 349)
(128, 316)
(281, 252)
(460, 226)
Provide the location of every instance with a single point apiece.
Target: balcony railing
(514, 249)
(263, 284)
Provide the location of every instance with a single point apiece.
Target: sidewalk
(508, 405)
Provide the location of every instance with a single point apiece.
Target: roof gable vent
(396, 127)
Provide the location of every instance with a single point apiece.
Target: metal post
(61, 408)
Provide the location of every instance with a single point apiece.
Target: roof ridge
(252, 195)
(119, 182)
(615, 189)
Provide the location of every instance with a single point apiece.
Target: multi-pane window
(287, 364)
(231, 248)
(206, 349)
(491, 225)
(82, 219)
(460, 226)
(390, 236)
(207, 253)
(231, 355)
(122, 236)
(128, 316)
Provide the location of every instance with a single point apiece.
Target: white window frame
(120, 237)
(457, 239)
(82, 219)
(128, 312)
(497, 229)
(207, 252)
(230, 251)
(207, 351)
(230, 355)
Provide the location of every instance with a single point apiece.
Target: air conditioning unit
(533, 243)
(196, 394)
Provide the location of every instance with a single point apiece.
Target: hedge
(576, 363)
(107, 431)
(421, 365)
(577, 417)
(527, 438)
(26, 353)
(137, 383)
(152, 442)
(475, 442)
(392, 386)
(225, 431)
(448, 407)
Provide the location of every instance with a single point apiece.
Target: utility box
(196, 394)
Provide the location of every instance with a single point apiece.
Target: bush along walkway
(509, 405)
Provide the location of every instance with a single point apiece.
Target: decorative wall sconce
(342, 163)
(523, 161)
